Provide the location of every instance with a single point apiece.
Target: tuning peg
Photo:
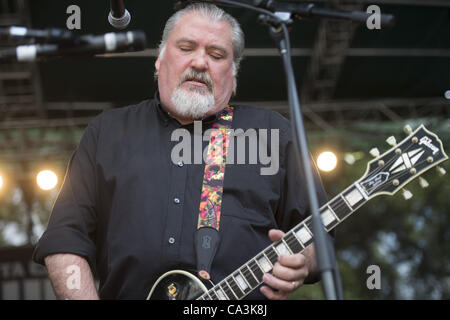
(407, 194)
(391, 141)
(407, 129)
(441, 171)
(423, 183)
(374, 152)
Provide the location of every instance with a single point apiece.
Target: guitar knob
(407, 194)
(407, 129)
(374, 152)
(441, 171)
(423, 183)
(391, 141)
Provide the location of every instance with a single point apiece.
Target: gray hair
(215, 14)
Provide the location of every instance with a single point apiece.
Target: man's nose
(199, 61)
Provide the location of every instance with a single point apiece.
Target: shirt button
(180, 164)
(171, 240)
(176, 200)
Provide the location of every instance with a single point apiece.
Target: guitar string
(305, 222)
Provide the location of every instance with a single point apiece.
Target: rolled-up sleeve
(72, 224)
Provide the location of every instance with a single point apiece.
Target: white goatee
(190, 101)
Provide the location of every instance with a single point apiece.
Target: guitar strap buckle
(207, 241)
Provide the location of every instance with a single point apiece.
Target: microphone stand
(326, 260)
(325, 256)
(279, 16)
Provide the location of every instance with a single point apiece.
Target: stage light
(1, 182)
(447, 94)
(327, 161)
(46, 179)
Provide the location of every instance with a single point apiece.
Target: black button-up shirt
(132, 212)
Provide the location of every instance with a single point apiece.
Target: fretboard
(249, 276)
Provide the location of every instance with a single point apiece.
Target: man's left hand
(289, 272)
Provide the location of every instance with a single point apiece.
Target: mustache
(202, 77)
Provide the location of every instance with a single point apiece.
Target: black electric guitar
(386, 174)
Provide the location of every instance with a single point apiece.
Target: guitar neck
(249, 276)
(386, 174)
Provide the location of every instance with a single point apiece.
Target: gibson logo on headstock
(427, 142)
(375, 181)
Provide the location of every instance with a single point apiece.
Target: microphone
(53, 35)
(85, 46)
(118, 17)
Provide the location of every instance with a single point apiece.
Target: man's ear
(157, 63)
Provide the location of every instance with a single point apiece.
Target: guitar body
(177, 285)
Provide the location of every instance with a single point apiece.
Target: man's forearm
(71, 277)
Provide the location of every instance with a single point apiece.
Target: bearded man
(128, 213)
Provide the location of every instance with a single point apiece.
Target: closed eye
(216, 56)
(185, 49)
(217, 53)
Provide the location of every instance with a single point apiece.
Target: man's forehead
(205, 25)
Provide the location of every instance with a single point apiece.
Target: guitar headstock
(405, 161)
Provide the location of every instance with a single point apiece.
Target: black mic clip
(275, 22)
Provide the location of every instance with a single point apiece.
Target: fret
(213, 295)
(333, 213)
(235, 288)
(358, 186)
(329, 220)
(271, 254)
(242, 282)
(354, 196)
(340, 208)
(293, 243)
(308, 223)
(229, 294)
(289, 251)
(264, 262)
(249, 276)
(303, 235)
(221, 295)
(256, 270)
(345, 201)
(282, 248)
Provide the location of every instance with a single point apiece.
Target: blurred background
(357, 88)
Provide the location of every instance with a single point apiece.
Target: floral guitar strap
(207, 237)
